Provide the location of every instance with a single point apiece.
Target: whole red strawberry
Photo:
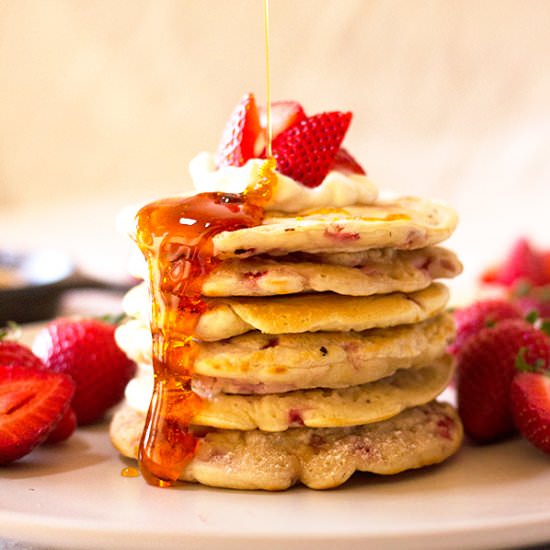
(486, 368)
(86, 350)
(530, 399)
(484, 313)
(32, 402)
(306, 150)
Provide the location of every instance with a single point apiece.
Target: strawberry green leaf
(113, 318)
(12, 331)
(522, 365)
(532, 317)
(522, 288)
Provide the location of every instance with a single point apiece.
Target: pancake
(256, 363)
(227, 317)
(405, 271)
(420, 256)
(320, 458)
(404, 223)
(317, 408)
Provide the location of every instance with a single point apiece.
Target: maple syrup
(269, 127)
(176, 237)
(129, 471)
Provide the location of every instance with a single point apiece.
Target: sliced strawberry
(486, 368)
(32, 402)
(14, 353)
(530, 399)
(64, 428)
(346, 163)
(86, 350)
(484, 313)
(523, 263)
(306, 151)
(240, 134)
(284, 114)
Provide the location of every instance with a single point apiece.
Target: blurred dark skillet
(31, 285)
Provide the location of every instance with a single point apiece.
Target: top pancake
(404, 223)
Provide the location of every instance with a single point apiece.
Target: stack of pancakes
(321, 352)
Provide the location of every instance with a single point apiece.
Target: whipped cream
(336, 191)
(139, 391)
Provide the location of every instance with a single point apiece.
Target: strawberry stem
(522, 365)
(11, 331)
(112, 318)
(522, 289)
(532, 317)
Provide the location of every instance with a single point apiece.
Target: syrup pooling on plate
(175, 235)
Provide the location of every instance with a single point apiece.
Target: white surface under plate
(74, 496)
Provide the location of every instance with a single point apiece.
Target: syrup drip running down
(176, 237)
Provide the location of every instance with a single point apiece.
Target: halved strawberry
(306, 151)
(284, 114)
(13, 353)
(530, 399)
(32, 402)
(523, 263)
(346, 163)
(240, 134)
(64, 428)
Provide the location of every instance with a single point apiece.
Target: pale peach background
(104, 103)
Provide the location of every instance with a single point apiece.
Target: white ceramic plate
(74, 496)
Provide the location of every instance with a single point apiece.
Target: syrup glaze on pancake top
(265, 201)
